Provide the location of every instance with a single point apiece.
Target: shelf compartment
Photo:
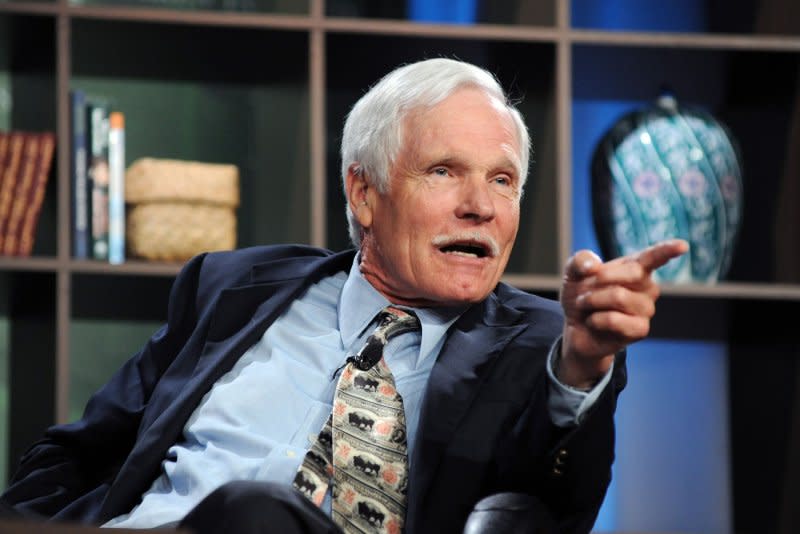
(763, 373)
(27, 72)
(763, 117)
(28, 99)
(770, 17)
(509, 12)
(27, 324)
(536, 250)
(219, 95)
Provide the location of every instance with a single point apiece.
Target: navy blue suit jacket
(484, 425)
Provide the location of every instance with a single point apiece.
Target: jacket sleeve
(75, 462)
(567, 468)
(577, 469)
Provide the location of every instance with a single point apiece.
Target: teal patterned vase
(666, 172)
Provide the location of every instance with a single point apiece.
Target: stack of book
(98, 179)
(25, 162)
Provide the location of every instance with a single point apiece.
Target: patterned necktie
(362, 447)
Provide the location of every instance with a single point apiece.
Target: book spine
(9, 181)
(5, 155)
(79, 193)
(97, 134)
(116, 188)
(19, 203)
(4, 140)
(44, 162)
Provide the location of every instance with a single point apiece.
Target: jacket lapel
(470, 350)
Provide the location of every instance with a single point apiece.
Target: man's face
(443, 233)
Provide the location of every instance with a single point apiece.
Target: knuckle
(612, 321)
(618, 296)
(655, 291)
(593, 321)
(644, 329)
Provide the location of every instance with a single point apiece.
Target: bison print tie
(361, 449)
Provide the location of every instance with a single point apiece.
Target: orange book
(27, 231)
(19, 202)
(16, 141)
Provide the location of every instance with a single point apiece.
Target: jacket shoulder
(216, 271)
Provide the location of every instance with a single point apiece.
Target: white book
(116, 188)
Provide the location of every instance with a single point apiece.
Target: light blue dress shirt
(260, 418)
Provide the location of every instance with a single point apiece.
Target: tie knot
(391, 322)
(394, 321)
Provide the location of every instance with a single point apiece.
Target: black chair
(510, 513)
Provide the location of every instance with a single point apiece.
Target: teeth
(469, 244)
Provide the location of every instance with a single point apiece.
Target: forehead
(469, 119)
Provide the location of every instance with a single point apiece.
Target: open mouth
(467, 245)
(469, 250)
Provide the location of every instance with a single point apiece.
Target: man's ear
(358, 194)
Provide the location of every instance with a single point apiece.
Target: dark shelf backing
(509, 12)
(287, 7)
(765, 17)
(32, 347)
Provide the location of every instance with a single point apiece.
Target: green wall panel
(98, 348)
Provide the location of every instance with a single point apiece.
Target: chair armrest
(510, 513)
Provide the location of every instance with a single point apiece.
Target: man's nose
(475, 200)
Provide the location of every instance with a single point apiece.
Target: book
(19, 201)
(4, 139)
(79, 194)
(16, 141)
(44, 163)
(97, 113)
(5, 156)
(116, 188)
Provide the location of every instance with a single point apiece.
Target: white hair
(373, 131)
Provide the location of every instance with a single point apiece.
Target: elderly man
(381, 389)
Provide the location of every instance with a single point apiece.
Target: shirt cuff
(567, 405)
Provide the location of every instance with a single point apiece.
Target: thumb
(582, 264)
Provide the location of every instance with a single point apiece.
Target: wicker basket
(178, 209)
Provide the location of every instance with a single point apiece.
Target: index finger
(657, 255)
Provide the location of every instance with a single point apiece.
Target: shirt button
(290, 454)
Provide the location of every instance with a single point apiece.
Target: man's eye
(502, 180)
(440, 171)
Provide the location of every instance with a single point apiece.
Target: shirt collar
(360, 303)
